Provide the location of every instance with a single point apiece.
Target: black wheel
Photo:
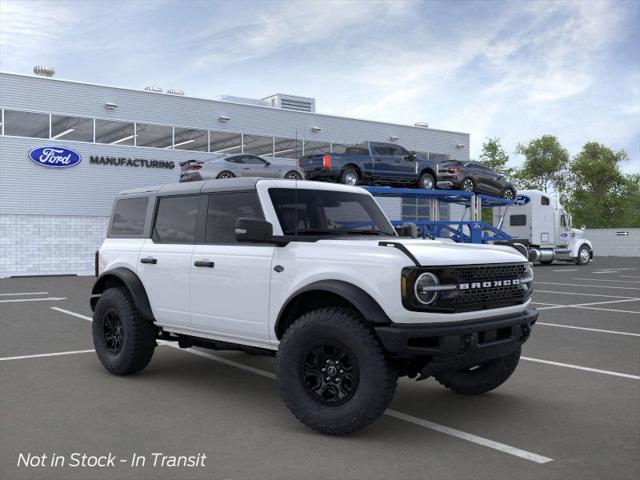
(509, 194)
(350, 176)
(584, 255)
(123, 340)
(426, 181)
(468, 185)
(225, 174)
(293, 175)
(480, 378)
(333, 374)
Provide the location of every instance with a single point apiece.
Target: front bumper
(450, 346)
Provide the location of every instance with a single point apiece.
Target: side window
(518, 220)
(398, 151)
(253, 160)
(128, 217)
(544, 201)
(563, 220)
(176, 219)
(235, 160)
(224, 209)
(381, 149)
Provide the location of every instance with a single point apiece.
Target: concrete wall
(607, 242)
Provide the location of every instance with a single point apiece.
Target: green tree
(600, 195)
(630, 215)
(545, 164)
(495, 157)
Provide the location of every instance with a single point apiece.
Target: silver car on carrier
(241, 165)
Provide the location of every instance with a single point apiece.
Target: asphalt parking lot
(571, 410)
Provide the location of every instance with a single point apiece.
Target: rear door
(165, 259)
(230, 280)
(383, 160)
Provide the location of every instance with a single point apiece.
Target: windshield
(328, 213)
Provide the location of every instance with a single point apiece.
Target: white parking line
(607, 271)
(588, 286)
(40, 355)
(580, 367)
(615, 332)
(605, 280)
(23, 293)
(47, 299)
(584, 294)
(585, 305)
(610, 310)
(629, 276)
(533, 457)
(566, 270)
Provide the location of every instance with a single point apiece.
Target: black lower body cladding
(458, 345)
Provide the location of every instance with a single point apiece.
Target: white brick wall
(607, 242)
(47, 245)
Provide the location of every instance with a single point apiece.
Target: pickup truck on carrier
(372, 162)
(314, 274)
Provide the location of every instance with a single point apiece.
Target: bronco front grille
(479, 290)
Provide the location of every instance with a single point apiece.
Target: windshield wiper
(364, 232)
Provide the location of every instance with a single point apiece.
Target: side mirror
(407, 230)
(411, 156)
(254, 230)
(583, 228)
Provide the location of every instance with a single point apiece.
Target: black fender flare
(361, 300)
(132, 282)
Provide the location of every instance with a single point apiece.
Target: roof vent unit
(245, 100)
(44, 71)
(153, 88)
(175, 91)
(291, 102)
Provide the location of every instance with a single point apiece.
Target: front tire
(333, 375)
(468, 185)
(509, 194)
(482, 378)
(123, 340)
(584, 255)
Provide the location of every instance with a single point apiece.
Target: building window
(176, 219)
(415, 209)
(114, 133)
(315, 148)
(71, 128)
(258, 145)
(191, 139)
(26, 124)
(225, 143)
(156, 136)
(287, 148)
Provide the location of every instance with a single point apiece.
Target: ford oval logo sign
(521, 200)
(55, 157)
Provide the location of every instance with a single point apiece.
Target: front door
(230, 280)
(253, 166)
(165, 259)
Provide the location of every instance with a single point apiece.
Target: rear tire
(509, 194)
(427, 181)
(225, 174)
(482, 379)
(123, 340)
(350, 176)
(360, 381)
(468, 185)
(293, 175)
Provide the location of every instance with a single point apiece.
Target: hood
(443, 253)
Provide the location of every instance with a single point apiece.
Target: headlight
(426, 288)
(527, 280)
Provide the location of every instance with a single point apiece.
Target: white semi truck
(543, 226)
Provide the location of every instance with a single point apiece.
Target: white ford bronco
(315, 275)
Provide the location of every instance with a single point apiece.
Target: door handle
(149, 260)
(204, 263)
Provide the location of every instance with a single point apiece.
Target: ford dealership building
(66, 149)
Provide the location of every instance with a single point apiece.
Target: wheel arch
(329, 293)
(430, 171)
(354, 166)
(123, 277)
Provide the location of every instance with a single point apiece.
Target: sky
(509, 69)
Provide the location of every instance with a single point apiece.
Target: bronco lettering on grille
(488, 284)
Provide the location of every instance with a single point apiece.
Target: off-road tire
(138, 334)
(481, 380)
(225, 174)
(348, 173)
(377, 376)
(424, 178)
(579, 258)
